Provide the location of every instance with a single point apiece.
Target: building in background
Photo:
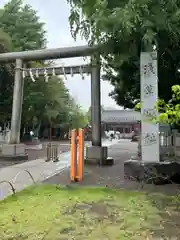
(126, 122)
(123, 121)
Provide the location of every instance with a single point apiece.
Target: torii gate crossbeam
(96, 152)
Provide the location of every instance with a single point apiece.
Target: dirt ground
(113, 176)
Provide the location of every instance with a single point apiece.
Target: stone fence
(169, 144)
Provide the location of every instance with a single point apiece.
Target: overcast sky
(55, 14)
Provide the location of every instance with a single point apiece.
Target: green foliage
(20, 29)
(78, 118)
(89, 113)
(161, 106)
(168, 112)
(5, 41)
(171, 112)
(44, 103)
(124, 27)
(138, 106)
(23, 26)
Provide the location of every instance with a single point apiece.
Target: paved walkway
(113, 176)
(39, 169)
(108, 175)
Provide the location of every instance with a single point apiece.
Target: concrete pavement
(39, 169)
(38, 151)
(104, 176)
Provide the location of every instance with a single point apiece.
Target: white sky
(55, 14)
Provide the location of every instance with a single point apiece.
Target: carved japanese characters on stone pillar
(149, 97)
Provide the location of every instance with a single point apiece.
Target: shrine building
(124, 121)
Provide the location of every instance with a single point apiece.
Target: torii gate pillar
(96, 154)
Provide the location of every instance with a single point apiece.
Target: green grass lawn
(49, 212)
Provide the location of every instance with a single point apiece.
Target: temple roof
(115, 115)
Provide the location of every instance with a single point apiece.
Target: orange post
(73, 167)
(80, 169)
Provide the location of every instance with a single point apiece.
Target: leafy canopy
(44, 103)
(123, 26)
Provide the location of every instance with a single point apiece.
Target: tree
(45, 104)
(89, 113)
(44, 101)
(170, 112)
(23, 25)
(6, 71)
(20, 29)
(78, 118)
(123, 27)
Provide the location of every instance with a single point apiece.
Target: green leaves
(125, 26)
(163, 118)
(44, 100)
(5, 42)
(22, 24)
(44, 103)
(168, 112)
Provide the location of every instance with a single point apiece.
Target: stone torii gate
(34, 74)
(14, 148)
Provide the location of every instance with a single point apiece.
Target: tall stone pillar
(17, 103)
(14, 150)
(96, 154)
(149, 98)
